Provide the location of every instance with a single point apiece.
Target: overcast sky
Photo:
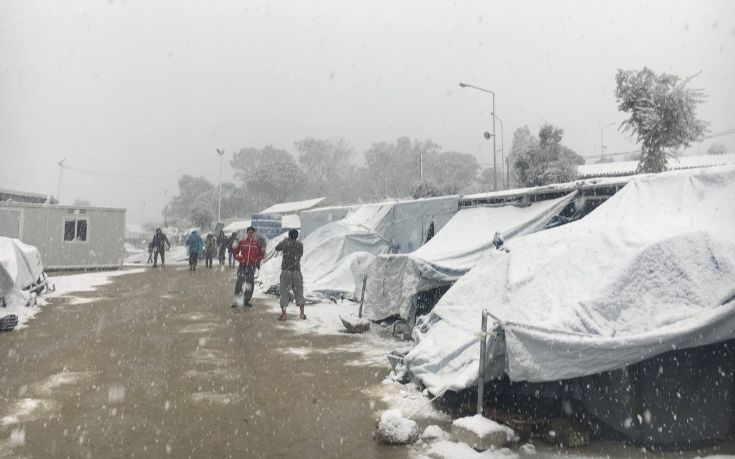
(131, 89)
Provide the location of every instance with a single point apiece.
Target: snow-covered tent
(20, 268)
(394, 280)
(641, 289)
(333, 250)
(314, 218)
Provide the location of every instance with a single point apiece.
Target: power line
(127, 178)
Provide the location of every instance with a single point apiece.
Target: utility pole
(421, 167)
(602, 142)
(221, 153)
(61, 172)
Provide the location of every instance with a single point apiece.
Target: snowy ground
(369, 349)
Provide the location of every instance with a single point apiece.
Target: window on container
(75, 229)
(69, 227)
(81, 230)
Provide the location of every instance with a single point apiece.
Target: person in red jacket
(248, 253)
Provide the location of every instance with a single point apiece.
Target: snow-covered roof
(25, 196)
(628, 167)
(552, 188)
(238, 225)
(292, 207)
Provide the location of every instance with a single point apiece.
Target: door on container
(10, 223)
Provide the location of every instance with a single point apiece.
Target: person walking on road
(210, 250)
(291, 277)
(231, 244)
(249, 253)
(193, 248)
(221, 248)
(160, 245)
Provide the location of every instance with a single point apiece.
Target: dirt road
(161, 366)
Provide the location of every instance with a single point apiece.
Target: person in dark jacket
(210, 250)
(221, 248)
(160, 245)
(291, 277)
(249, 253)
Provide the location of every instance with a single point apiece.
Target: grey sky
(153, 88)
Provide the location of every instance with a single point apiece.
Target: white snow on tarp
(291, 221)
(330, 251)
(650, 270)
(393, 279)
(20, 265)
(362, 230)
(629, 167)
(292, 207)
(239, 225)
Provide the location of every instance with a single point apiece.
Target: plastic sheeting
(20, 265)
(651, 270)
(333, 251)
(394, 279)
(365, 229)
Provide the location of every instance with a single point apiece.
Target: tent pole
(481, 375)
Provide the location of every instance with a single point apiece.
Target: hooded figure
(194, 247)
(159, 244)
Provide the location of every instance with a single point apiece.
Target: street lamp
(221, 153)
(602, 143)
(495, 178)
(502, 151)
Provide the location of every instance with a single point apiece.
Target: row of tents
(615, 295)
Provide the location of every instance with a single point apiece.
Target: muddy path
(157, 364)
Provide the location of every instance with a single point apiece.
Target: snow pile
(393, 428)
(483, 427)
(650, 270)
(434, 432)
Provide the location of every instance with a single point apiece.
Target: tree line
(661, 111)
(327, 167)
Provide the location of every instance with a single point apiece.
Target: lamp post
(221, 153)
(61, 172)
(502, 151)
(602, 142)
(495, 172)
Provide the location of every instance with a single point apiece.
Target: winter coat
(221, 243)
(248, 252)
(160, 242)
(194, 243)
(210, 248)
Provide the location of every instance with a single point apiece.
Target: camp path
(157, 364)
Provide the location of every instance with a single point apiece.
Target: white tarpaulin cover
(365, 229)
(20, 265)
(393, 279)
(650, 270)
(292, 207)
(334, 251)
